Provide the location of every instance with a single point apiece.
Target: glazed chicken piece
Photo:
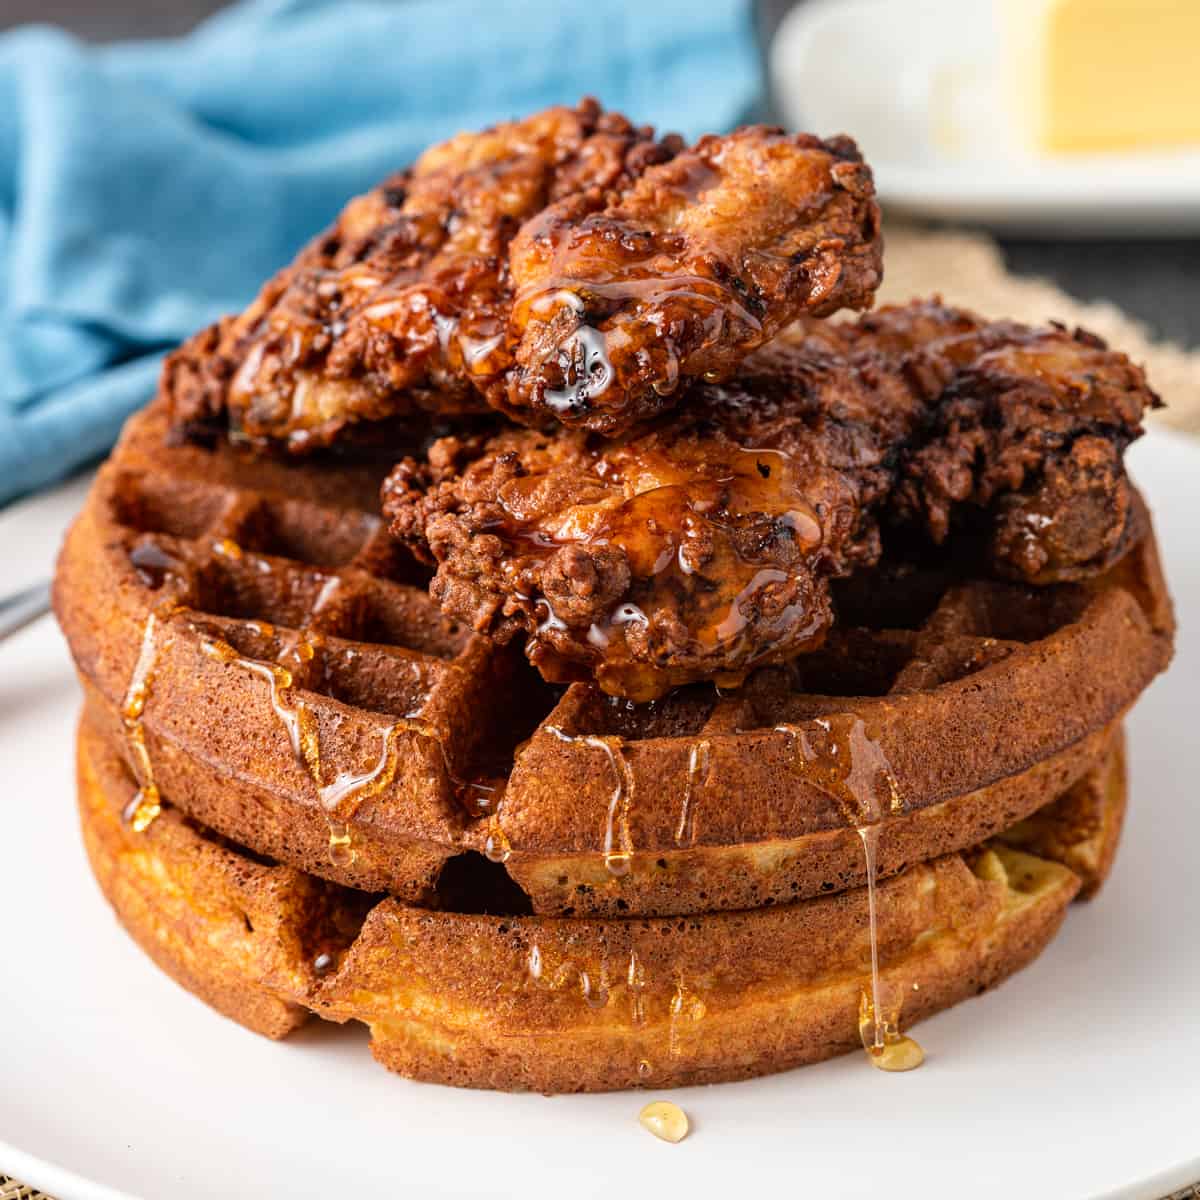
(1025, 437)
(619, 301)
(702, 545)
(405, 301)
(557, 268)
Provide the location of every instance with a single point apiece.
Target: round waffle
(260, 652)
(483, 996)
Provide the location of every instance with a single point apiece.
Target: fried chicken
(405, 300)
(702, 545)
(1025, 437)
(621, 300)
(568, 266)
(698, 547)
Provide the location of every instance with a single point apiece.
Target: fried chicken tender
(620, 300)
(1025, 438)
(702, 545)
(698, 547)
(558, 268)
(405, 300)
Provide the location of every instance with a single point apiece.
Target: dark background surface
(1158, 281)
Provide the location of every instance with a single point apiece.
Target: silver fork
(23, 608)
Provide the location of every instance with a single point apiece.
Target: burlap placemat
(968, 269)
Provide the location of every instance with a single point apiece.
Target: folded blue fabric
(147, 188)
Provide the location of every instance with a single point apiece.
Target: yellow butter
(1088, 75)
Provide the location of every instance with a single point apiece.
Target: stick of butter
(1104, 74)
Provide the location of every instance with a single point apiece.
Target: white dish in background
(916, 83)
(1079, 1079)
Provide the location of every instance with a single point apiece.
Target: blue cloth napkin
(146, 188)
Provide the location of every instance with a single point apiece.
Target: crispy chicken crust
(702, 260)
(524, 266)
(404, 301)
(1026, 435)
(703, 546)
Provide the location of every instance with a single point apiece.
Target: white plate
(917, 83)
(1079, 1078)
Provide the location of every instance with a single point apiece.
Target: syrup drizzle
(686, 1005)
(618, 838)
(698, 767)
(146, 805)
(674, 512)
(837, 754)
(636, 978)
(342, 796)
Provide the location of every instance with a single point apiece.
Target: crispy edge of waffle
(1082, 828)
(555, 1004)
(222, 753)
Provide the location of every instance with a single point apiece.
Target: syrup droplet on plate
(665, 1120)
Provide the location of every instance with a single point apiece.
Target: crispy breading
(702, 545)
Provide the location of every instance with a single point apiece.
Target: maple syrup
(146, 805)
(697, 774)
(685, 1006)
(342, 796)
(635, 977)
(838, 755)
(341, 844)
(668, 1122)
(154, 566)
(618, 837)
(678, 511)
(611, 295)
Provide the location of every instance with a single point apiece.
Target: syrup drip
(346, 792)
(837, 754)
(686, 1005)
(341, 845)
(146, 805)
(593, 985)
(636, 978)
(618, 839)
(587, 370)
(154, 566)
(496, 846)
(698, 767)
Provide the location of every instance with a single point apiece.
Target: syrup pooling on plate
(838, 755)
(717, 543)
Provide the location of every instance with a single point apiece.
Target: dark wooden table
(1157, 280)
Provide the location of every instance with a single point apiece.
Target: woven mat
(968, 269)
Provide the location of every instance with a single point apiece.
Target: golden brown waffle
(549, 1003)
(1082, 827)
(262, 654)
